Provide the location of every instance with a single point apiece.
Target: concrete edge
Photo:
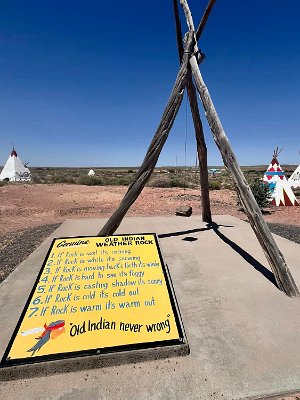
(63, 366)
(71, 364)
(274, 396)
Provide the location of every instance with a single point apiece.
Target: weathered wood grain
(276, 260)
(201, 149)
(200, 140)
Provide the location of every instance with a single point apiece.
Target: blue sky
(85, 83)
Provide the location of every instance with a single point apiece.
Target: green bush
(160, 181)
(62, 179)
(214, 185)
(36, 179)
(181, 182)
(3, 183)
(119, 180)
(88, 180)
(169, 181)
(261, 193)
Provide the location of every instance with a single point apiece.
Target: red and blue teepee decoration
(274, 172)
(274, 177)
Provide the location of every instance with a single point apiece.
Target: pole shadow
(243, 253)
(246, 256)
(187, 232)
(180, 233)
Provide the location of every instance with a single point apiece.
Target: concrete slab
(244, 334)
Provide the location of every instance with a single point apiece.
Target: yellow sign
(96, 295)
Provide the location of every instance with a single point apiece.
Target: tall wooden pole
(276, 260)
(156, 145)
(200, 140)
(201, 149)
(203, 21)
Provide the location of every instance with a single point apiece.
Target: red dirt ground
(29, 205)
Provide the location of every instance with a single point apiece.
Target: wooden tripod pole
(276, 260)
(200, 140)
(156, 145)
(204, 18)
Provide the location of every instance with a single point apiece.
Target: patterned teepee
(282, 195)
(274, 172)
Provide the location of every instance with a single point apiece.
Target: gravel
(17, 246)
(291, 232)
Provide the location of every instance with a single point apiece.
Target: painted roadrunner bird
(52, 330)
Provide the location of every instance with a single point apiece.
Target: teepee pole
(156, 145)
(204, 18)
(200, 140)
(201, 149)
(276, 260)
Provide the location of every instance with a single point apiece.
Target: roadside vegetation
(164, 177)
(261, 193)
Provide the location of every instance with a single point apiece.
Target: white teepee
(91, 172)
(14, 169)
(294, 179)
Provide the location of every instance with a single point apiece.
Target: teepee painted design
(274, 172)
(14, 170)
(282, 195)
(294, 180)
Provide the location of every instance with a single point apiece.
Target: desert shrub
(3, 183)
(178, 181)
(104, 180)
(228, 185)
(261, 192)
(171, 170)
(121, 180)
(88, 180)
(76, 174)
(160, 181)
(36, 179)
(62, 179)
(167, 181)
(214, 185)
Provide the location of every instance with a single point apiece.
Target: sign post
(97, 295)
